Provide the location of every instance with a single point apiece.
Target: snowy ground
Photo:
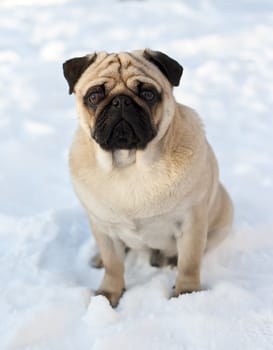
(226, 48)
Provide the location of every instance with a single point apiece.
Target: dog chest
(158, 232)
(115, 210)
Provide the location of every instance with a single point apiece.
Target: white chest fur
(135, 209)
(156, 232)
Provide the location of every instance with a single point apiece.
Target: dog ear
(74, 68)
(167, 65)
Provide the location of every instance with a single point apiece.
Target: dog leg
(112, 255)
(172, 261)
(96, 261)
(221, 218)
(157, 259)
(190, 247)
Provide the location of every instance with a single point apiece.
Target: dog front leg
(112, 254)
(190, 248)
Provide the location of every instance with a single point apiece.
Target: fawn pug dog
(142, 167)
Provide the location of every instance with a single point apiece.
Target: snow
(46, 282)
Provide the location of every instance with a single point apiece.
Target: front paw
(157, 259)
(96, 261)
(186, 286)
(112, 296)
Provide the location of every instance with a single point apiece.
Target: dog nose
(121, 101)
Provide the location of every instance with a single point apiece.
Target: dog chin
(123, 158)
(123, 143)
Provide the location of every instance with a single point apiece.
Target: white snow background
(46, 283)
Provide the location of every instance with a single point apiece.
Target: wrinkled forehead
(124, 69)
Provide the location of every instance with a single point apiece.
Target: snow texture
(46, 283)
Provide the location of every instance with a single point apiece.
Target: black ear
(74, 68)
(168, 66)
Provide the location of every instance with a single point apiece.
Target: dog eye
(94, 97)
(147, 95)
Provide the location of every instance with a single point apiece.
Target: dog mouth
(125, 128)
(123, 136)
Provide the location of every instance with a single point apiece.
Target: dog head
(124, 100)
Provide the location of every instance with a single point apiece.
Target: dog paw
(113, 297)
(187, 287)
(96, 261)
(172, 261)
(157, 259)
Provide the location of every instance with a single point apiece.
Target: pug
(142, 167)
